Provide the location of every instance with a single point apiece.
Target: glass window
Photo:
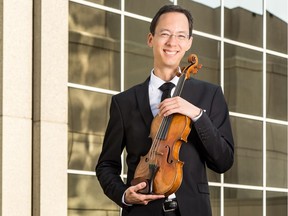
(215, 200)
(243, 80)
(277, 25)
(208, 52)
(244, 21)
(277, 155)
(248, 150)
(86, 198)
(138, 56)
(94, 22)
(276, 204)
(239, 202)
(206, 14)
(277, 72)
(213, 176)
(109, 3)
(95, 60)
(94, 47)
(144, 7)
(88, 117)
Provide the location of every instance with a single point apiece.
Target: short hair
(168, 9)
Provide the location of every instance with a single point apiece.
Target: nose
(172, 39)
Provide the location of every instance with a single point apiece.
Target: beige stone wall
(33, 107)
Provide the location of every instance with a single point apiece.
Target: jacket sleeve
(214, 134)
(108, 168)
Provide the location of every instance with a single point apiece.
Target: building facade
(242, 47)
(61, 62)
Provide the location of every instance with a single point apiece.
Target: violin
(161, 168)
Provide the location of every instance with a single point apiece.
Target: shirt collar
(156, 82)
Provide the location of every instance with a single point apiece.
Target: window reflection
(215, 200)
(94, 48)
(277, 72)
(94, 60)
(244, 21)
(239, 202)
(213, 176)
(277, 25)
(85, 197)
(94, 22)
(208, 52)
(277, 204)
(243, 80)
(206, 14)
(108, 3)
(144, 7)
(138, 56)
(277, 155)
(248, 157)
(88, 117)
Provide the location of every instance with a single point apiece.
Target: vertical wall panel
(50, 108)
(16, 107)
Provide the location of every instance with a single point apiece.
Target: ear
(189, 44)
(149, 40)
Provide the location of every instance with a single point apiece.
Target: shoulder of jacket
(132, 89)
(202, 83)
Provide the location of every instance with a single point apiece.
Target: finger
(139, 186)
(153, 197)
(167, 109)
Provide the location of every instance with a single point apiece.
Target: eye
(165, 35)
(181, 36)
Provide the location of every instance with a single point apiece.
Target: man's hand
(178, 105)
(133, 197)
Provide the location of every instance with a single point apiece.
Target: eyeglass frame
(179, 36)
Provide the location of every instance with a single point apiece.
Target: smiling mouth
(170, 52)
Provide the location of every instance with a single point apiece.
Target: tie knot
(166, 86)
(166, 89)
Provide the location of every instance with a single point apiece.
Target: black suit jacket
(210, 143)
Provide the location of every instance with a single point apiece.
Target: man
(210, 142)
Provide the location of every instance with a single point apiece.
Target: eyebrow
(161, 30)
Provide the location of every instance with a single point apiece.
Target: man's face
(170, 41)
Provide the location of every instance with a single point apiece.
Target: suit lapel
(142, 96)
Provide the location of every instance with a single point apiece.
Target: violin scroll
(193, 67)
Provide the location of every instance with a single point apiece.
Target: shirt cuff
(197, 117)
(123, 200)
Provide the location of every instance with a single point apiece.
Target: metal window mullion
(122, 60)
(264, 110)
(222, 85)
(122, 78)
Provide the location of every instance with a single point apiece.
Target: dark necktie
(166, 89)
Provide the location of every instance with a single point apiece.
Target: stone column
(50, 77)
(16, 107)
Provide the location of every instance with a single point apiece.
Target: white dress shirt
(155, 93)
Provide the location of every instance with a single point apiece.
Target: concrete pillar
(50, 107)
(15, 107)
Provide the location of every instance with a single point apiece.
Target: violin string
(165, 121)
(161, 134)
(158, 136)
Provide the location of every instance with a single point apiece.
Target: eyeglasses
(178, 36)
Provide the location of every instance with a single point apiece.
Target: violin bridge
(159, 153)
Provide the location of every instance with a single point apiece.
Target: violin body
(161, 168)
(166, 178)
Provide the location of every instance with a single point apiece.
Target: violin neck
(180, 85)
(165, 124)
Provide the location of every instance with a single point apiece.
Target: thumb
(142, 187)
